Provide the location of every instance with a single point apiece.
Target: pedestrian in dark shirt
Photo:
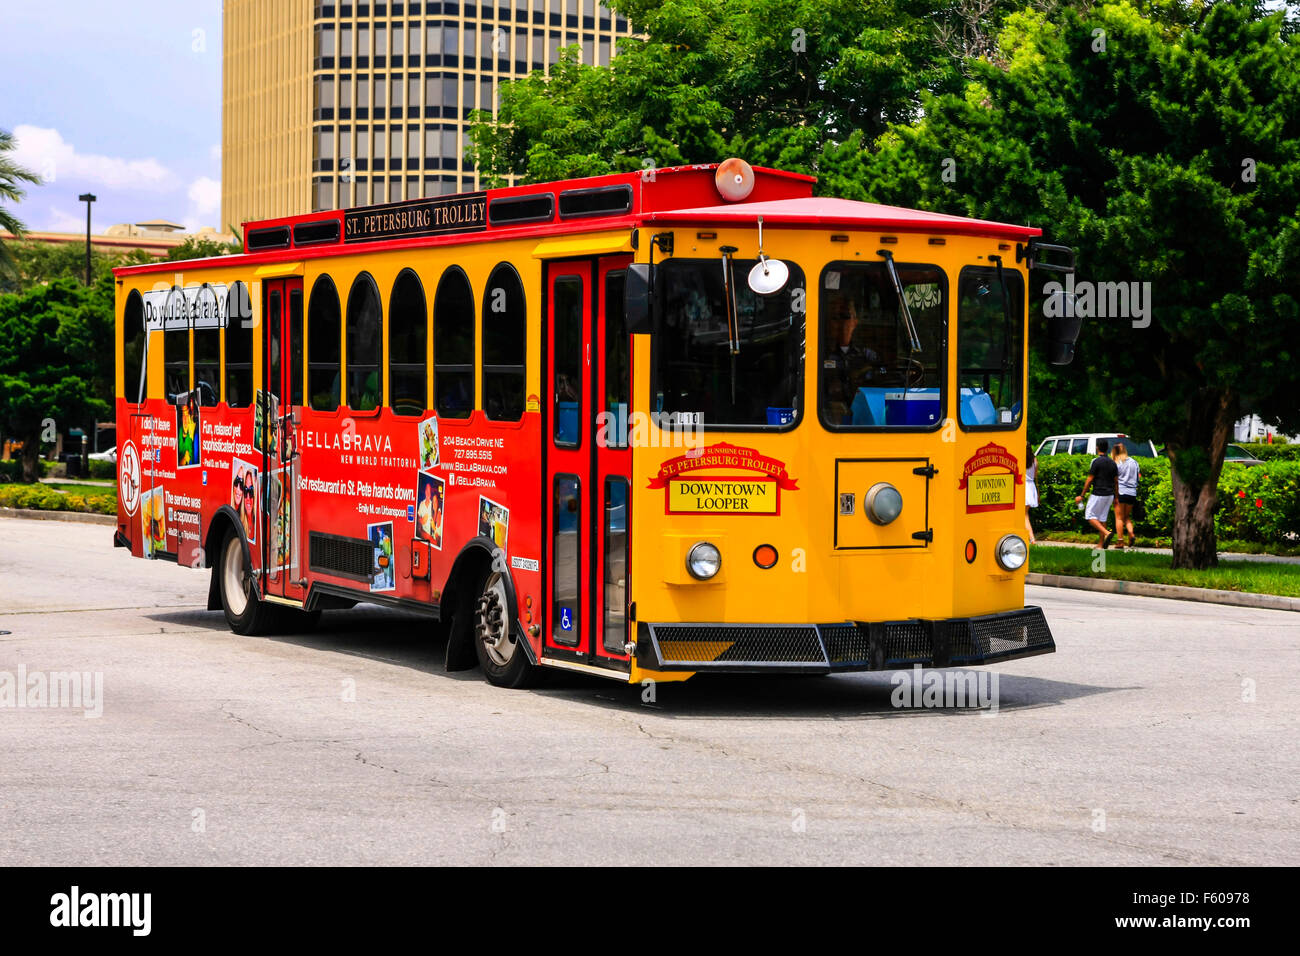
(1102, 478)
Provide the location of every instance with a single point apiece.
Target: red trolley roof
(681, 194)
(825, 211)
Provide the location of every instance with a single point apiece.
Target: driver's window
(870, 373)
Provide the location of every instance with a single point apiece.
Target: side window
(239, 347)
(176, 347)
(1079, 446)
(1045, 448)
(365, 387)
(618, 369)
(566, 520)
(133, 385)
(408, 322)
(207, 347)
(990, 347)
(568, 360)
(453, 345)
(324, 341)
(296, 352)
(504, 345)
(615, 576)
(272, 372)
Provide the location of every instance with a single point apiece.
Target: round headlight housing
(1011, 552)
(703, 561)
(882, 502)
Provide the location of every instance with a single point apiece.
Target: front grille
(907, 642)
(996, 635)
(846, 645)
(347, 557)
(720, 644)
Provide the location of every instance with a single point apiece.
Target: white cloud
(48, 154)
(61, 221)
(205, 204)
(205, 195)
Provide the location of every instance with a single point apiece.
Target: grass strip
(1248, 577)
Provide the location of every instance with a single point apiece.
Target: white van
(1086, 444)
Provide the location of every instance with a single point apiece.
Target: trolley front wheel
(504, 662)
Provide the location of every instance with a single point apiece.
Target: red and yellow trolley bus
(639, 425)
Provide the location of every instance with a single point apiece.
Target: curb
(1272, 602)
(81, 517)
(1256, 558)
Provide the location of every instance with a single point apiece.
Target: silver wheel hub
(236, 585)
(490, 624)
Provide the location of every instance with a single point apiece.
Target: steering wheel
(912, 371)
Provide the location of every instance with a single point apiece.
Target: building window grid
(393, 45)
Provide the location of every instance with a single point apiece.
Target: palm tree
(11, 174)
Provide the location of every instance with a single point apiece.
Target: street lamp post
(87, 198)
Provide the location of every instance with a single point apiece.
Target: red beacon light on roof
(734, 179)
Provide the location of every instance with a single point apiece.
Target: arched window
(207, 346)
(324, 342)
(133, 380)
(453, 345)
(365, 345)
(239, 347)
(176, 346)
(408, 320)
(504, 344)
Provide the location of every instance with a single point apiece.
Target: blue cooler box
(918, 408)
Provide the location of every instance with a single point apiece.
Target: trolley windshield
(724, 355)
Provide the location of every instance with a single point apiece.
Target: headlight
(703, 561)
(882, 502)
(1011, 552)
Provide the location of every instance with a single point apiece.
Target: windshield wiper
(902, 301)
(1007, 326)
(733, 316)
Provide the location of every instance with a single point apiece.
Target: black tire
(505, 663)
(246, 613)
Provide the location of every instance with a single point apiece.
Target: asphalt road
(1161, 732)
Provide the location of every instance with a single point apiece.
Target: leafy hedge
(1275, 452)
(11, 469)
(41, 498)
(1260, 503)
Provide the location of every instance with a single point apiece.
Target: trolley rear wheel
(246, 613)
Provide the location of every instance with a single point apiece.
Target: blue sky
(122, 100)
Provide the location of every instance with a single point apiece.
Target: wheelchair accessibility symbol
(566, 619)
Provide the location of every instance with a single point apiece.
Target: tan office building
(329, 105)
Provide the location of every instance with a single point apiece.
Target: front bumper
(844, 645)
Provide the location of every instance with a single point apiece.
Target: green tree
(201, 247)
(11, 175)
(41, 262)
(1164, 143)
(52, 362)
(774, 81)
